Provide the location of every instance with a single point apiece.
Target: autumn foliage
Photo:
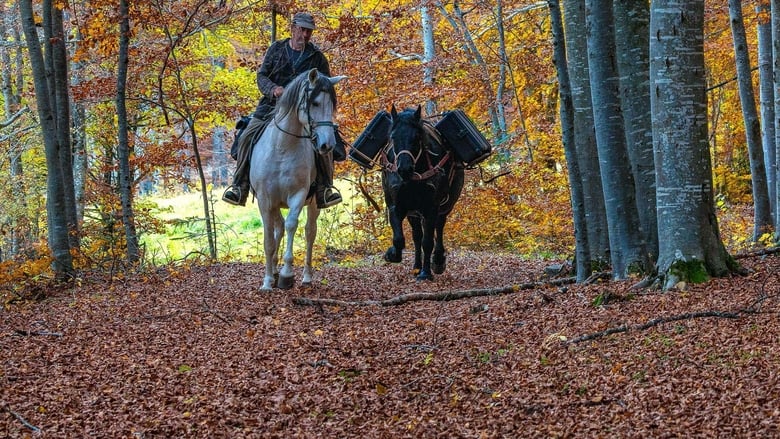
(197, 59)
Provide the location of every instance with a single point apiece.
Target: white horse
(282, 169)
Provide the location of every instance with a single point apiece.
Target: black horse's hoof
(392, 256)
(424, 276)
(285, 283)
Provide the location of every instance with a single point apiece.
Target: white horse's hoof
(285, 282)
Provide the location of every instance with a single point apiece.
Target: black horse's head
(408, 139)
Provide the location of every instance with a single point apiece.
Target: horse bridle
(432, 169)
(312, 126)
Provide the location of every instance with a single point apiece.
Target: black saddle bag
(376, 135)
(462, 136)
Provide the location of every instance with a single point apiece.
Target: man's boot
(236, 194)
(327, 195)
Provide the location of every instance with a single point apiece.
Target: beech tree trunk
(766, 103)
(566, 110)
(57, 220)
(775, 9)
(690, 247)
(123, 148)
(632, 42)
(627, 249)
(585, 133)
(429, 53)
(762, 219)
(56, 61)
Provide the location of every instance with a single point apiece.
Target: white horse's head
(315, 99)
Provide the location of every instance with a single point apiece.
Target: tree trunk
(632, 42)
(762, 219)
(55, 202)
(59, 93)
(766, 103)
(582, 254)
(11, 96)
(429, 53)
(584, 132)
(627, 249)
(775, 9)
(690, 246)
(123, 147)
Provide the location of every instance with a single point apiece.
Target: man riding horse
(283, 61)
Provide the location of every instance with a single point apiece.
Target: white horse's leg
(270, 246)
(278, 236)
(287, 274)
(311, 234)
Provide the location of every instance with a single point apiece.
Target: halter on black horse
(415, 151)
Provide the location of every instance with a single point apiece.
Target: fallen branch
(24, 333)
(207, 308)
(762, 252)
(440, 296)
(21, 419)
(655, 322)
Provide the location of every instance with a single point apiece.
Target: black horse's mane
(430, 138)
(288, 100)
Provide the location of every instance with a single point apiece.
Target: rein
(311, 125)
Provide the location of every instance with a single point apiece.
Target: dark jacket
(278, 69)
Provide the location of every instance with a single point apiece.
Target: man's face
(301, 35)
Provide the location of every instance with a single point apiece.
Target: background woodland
(149, 93)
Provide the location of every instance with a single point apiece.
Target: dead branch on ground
(438, 296)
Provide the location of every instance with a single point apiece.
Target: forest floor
(203, 353)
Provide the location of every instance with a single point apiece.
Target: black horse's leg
(439, 260)
(393, 254)
(417, 235)
(428, 223)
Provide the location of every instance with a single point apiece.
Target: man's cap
(304, 19)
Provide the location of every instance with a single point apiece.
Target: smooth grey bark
(632, 42)
(766, 103)
(762, 218)
(689, 238)
(123, 147)
(627, 249)
(12, 111)
(429, 53)
(566, 110)
(55, 197)
(775, 25)
(57, 65)
(584, 131)
(79, 135)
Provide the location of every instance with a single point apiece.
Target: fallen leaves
(206, 354)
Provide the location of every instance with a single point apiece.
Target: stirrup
(234, 195)
(328, 197)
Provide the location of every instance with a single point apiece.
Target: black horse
(422, 180)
